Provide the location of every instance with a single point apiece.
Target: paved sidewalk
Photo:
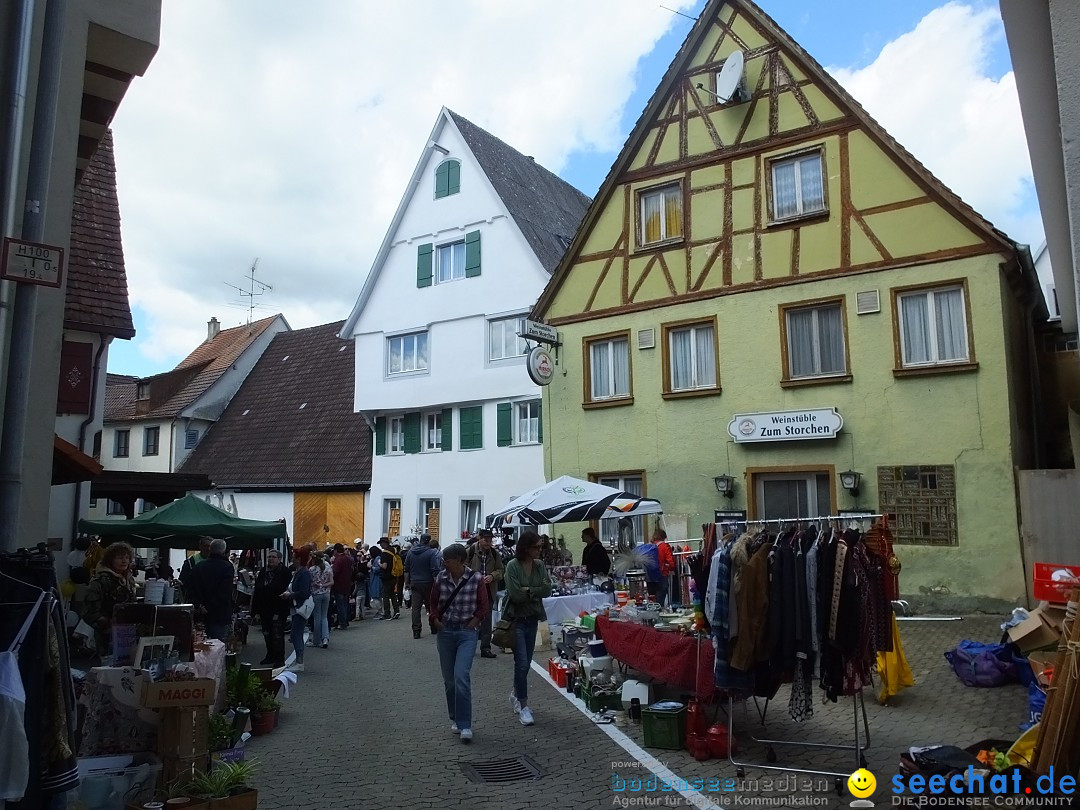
(366, 727)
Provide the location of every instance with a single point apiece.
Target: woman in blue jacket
(299, 591)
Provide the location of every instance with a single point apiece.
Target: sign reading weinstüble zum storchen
(786, 426)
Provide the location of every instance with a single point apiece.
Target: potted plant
(264, 712)
(226, 786)
(242, 688)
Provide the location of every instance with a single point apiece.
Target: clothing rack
(860, 743)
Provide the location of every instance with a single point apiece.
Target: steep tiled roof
(120, 391)
(545, 207)
(96, 298)
(174, 390)
(291, 425)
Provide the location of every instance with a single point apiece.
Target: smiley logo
(861, 783)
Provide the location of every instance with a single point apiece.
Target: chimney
(212, 328)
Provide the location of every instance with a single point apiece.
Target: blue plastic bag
(979, 664)
(1036, 704)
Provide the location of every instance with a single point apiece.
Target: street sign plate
(32, 263)
(540, 332)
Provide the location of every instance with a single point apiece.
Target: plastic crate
(1046, 589)
(600, 701)
(664, 728)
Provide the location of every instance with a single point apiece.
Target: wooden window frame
(586, 349)
(772, 221)
(594, 478)
(665, 331)
(949, 366)
(786, 380)
(750, 483)
(640, 245)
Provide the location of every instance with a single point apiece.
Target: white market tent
(571, 500)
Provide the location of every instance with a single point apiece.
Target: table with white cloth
(561, 609)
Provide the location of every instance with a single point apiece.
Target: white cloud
(287, 131)
(931, 90)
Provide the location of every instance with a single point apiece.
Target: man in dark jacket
(212, 583)
(272, 610)
(391, 598)
(190, 564)
(342, 567)
(486, 561)
(421, 568)
(595, 557)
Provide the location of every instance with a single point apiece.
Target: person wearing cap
(421, 567)
(486, 561)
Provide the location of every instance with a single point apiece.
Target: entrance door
(792, 495)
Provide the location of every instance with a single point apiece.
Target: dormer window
(142, 391)
(447, 178)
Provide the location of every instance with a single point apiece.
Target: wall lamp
(725, 485)
(849, 480)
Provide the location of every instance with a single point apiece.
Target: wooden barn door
(326, 518)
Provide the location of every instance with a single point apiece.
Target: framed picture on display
(151, 649)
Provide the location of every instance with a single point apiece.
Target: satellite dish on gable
(730, 82)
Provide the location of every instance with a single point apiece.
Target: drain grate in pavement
(496, 771)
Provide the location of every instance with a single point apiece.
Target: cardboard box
(1042, 664)
(1040, 630)
(163, 694)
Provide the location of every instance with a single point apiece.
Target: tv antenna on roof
(730, 81)
(251, 291)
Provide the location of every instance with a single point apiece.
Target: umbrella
(181, 523)
(569, 500)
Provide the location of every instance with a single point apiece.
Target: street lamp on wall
(725, 485)
(849, 480)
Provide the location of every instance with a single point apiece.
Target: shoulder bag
(450, 600)
(306, 608)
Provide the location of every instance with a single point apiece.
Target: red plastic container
(696, 723)
(698, 746)
(718, 740)
(1046, 589)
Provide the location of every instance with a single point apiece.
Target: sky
(286, 132)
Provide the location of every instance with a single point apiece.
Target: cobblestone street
(366, 727)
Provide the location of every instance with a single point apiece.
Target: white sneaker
(296, 667)
(466, 735)
(454, 728)
(525, 716)
(515, 703)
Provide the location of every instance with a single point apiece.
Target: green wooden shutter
(540, 420)
(442, 180)
(423, 264)
(447, 429)
(504, 426)
(380, 436)
(412, 433)
(453, 177)
(471, 428)
(472, 254)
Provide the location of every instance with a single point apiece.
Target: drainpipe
(24, 309)
(77, 508)
(19, 70)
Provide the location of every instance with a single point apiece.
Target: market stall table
(562, 609)
(681, 661)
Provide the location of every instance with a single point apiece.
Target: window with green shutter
(472, 254)
(504, 424)
(412, 433)
(447, 178)
(380, 436)
(423, 264)
(447, 429)
(471, 428)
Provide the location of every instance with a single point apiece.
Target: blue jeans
(341, 602)
(321, 628)
(524, 644)
(457, 646)
(296, 635)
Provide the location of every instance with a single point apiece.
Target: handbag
(502, 634)
(307, 608)
(451, 598)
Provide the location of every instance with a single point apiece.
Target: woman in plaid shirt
(459, 602)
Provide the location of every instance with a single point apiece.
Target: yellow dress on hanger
(893, 669)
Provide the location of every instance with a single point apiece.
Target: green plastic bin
(664, 728)
(601, 701)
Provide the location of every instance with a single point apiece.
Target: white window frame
(800, 208)
(456, 273)
(388, 504)
(424, 503)
(816, 338)
(668, 189)
(155, 431)
(401, 340)
(126, 433)
(609, 527)
(427, 445)
(934, 349)
(517, 323)
(479, 514)
(395, 427)
(609, 343)
(527, 418)
(695, 384)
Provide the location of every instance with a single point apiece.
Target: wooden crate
(182, 741)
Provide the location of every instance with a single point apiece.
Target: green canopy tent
(181, 523)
